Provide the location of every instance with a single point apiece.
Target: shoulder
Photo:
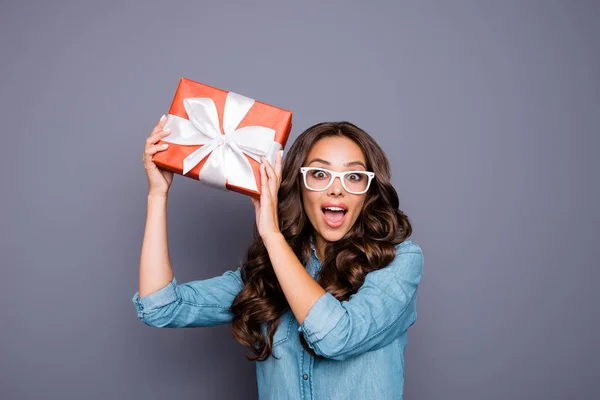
(403, 274)
(408, 246)
(409, 257)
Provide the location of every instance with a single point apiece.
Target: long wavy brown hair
(368, 246)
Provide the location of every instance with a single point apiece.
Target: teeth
(335, 208)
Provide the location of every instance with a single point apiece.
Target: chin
(333, 236)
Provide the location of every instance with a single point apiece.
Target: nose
(336, 187)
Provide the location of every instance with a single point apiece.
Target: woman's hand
(159, 180)
(266, 208)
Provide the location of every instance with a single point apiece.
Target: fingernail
(163, 118)
(164, 146)
(281, 153)
(167, 130)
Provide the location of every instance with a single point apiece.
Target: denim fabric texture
(362, 339)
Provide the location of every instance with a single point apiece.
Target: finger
(149, 151)
(155, 137)
(264, 184)
(271, 179)
(279, 167)
(279, 161)
(160, 125)
(271, 175)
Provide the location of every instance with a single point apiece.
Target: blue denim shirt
(362, 339)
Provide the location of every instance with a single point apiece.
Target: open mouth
(334, 216)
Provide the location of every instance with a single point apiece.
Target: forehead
(338, 150)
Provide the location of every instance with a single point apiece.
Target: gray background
(488, 111)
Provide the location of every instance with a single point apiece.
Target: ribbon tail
(240, 171)
(194, 159)
(214, 171)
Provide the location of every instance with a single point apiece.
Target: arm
(198, 303)
(300, 289)
(160, 301)
(155, 265)
(382, 309)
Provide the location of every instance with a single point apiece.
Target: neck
(320, 244)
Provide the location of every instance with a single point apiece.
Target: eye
(319, 174)
(356, 177)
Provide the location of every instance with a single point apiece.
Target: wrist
(157, 195)
(272, 238)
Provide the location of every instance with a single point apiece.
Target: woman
(328, 290)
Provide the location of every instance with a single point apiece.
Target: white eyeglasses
(319, 179)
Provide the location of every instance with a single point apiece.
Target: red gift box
(217, 137)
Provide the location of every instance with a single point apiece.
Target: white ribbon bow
(226, 161)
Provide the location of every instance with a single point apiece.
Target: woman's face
(337, 154)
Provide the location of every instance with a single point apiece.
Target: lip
(334, 204)
(330, 223)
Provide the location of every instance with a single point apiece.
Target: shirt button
(305, 376)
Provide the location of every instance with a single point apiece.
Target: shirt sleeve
(382, 309)
(196, 303)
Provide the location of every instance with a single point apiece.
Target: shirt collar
(313, 248)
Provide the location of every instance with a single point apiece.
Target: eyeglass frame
(335, 174)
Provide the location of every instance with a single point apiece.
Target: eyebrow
(349, 164)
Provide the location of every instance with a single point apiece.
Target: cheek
(358, 208)
(310, 201)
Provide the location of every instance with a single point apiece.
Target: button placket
(307, 366)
